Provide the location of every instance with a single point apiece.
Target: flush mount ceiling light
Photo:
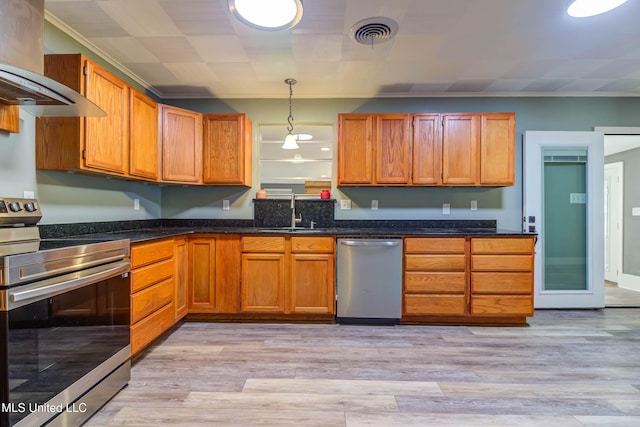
(270, 15)
(586, 8)
(290, 142)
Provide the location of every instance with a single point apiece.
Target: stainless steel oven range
(64, 321)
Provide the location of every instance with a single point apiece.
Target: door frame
(615, 214)
(532, 206)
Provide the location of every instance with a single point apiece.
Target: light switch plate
(579, 198)
(345, 204)
(635, 211)
(136, 204)
(474, 205)
(225, 205)
(446, 209)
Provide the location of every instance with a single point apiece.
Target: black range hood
(42, 96)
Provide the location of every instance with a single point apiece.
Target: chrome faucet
(294, 220)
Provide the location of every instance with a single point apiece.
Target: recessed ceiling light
(586, 8)
(325, 149)
(303, 136)
(270, 15)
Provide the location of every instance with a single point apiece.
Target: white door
(563, 198)
(613, 173)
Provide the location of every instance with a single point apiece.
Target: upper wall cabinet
(10, 118)
(92, 144)
(226, 147)
(452, 149)
(143, 136)
(374, 149)
(181, 145)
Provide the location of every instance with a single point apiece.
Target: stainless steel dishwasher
(369, 286)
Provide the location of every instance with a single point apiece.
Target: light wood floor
(615, 296)
(569, 368)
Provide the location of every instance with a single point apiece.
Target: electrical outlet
(635, 211)
(446, 209)
(28, 195)
(136, 204)
(345, 204)
(374, 205)
(225, 205)
(474, 205)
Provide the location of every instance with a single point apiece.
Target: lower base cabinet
(152, 291)
(468, 279)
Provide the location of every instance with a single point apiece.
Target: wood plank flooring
(569, 368)
(615, 296)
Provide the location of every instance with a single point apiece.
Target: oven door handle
(52, 287)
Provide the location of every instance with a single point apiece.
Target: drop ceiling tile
(325, 47)
(192, 72)
(126, 49)
(171, 49)
(89, 20)
(543, 85)
(141, 18)
(227, 48)
(199, 17)
(470, 86)
(621, 86)
(232, 71)
(156, 74)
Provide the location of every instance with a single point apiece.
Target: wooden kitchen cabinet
(181, 274)
(460, 149)
(312, 278)
(374, 149)
(181, 145)
(90, 144)
(227, 140)
(143, 136)
(497, 149)
(214, 273)
(435, 276)
(152, 291)
(426, 150)
(502, 276)
(288, 275)
(10, 118)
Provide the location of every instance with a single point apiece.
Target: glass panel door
(563, 201)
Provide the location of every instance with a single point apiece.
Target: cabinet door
(227, 149)
(263, 282)
(143, 134)
(460, 144)
(181, 144)
(497, 149)
(392, 149)
(202, 294)
(10, 118)
(106, 145)
(181, 277)
(355, 149)
(312, 283)
(427, 150)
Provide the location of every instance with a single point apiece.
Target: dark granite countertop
(141, 235)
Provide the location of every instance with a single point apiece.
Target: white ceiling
(195, 48)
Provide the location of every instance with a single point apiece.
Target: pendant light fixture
(290, 142)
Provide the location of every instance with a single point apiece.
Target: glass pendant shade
(290, 143)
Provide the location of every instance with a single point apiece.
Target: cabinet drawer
(148, 300)
(435, 262)
(312, 244)
(502, 262)
(434, 304)
(434, 245)
(154, 273)
(262, 244)
(481, 245)
(502, 283)
(502, 305)
(445, 282)
(147, 253)
(151, 327)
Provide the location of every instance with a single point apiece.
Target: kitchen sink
(287, 230)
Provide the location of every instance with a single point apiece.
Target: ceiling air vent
(375, 30)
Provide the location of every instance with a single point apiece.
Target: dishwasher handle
(369, 243)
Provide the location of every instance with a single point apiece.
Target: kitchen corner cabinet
(288, 275)
(181, 144)
(92, 144)
(227, 140)
(502, 276)
(374, 149)
(152, 291)
(181, 277)
(214, 274)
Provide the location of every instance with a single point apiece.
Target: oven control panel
(19, 211)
